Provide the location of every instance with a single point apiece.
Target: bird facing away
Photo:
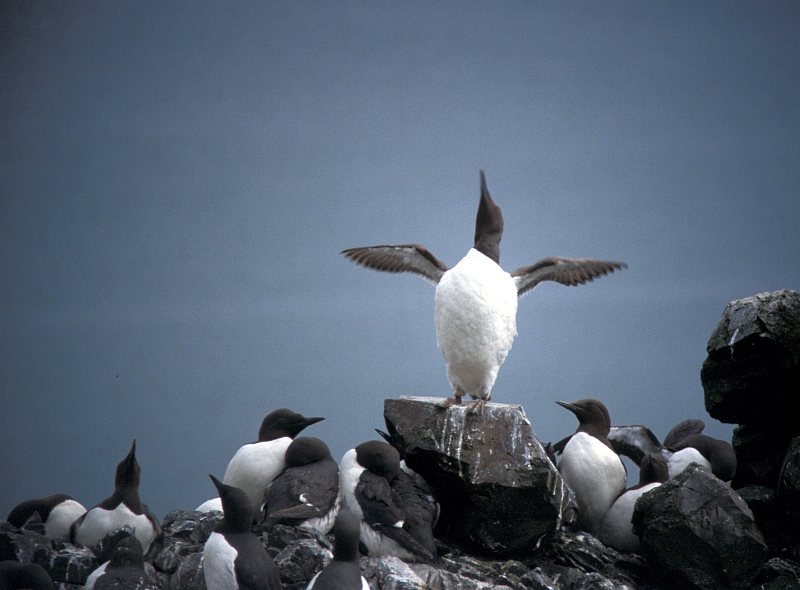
(122, 508)
(616, 528)
(57, 512)
(233, 557)
(343, 572)
(306, 493)
(366, 473)
(253, 467)
(124, 571)
(475, 303)
(589, 466)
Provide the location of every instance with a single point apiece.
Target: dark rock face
(750, 377)
(753, 363)
(701, 531)
(498, 491)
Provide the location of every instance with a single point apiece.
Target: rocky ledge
(507, 517)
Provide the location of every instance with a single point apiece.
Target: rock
(105, 546)
(753, 364)
(191, 526)
(70, 564)
(779, 574)
(759, 453)
(189, 575)
(697, 529)
(499, 493)
(300, 561)
(789, 481)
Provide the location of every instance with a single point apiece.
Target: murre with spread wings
(476, 301)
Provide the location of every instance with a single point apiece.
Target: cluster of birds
(371, 500)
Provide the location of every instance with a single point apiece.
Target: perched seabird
(306, 493)
(476, 301)
(233, 557)
(684, 444)
(122, 508)
(589, 466)
(124, 571)
(57, 512)
(616, 528)
(344, 572)
(16, 576)
(255, 465)
(366, 475)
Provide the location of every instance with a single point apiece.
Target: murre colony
(371, 500)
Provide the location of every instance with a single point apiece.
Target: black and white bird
(475, 303)
(343, 572)
(233, 557)
(389, 524)
(57, 513)
(616, 528)
(589, 466)
(122, 508)
(124, 571)
(18, 576)
(684, 444)
(306, 493)
(253, 467)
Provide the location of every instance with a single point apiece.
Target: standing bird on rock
(589, 466)
(476, 301)
(122, 508)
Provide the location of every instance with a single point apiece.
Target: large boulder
(699, 530)
(499, 492)
(752, 371)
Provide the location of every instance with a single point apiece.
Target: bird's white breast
(595, 473)
(349, 473)
(680, 460)
(212, 505)
(98, 522)
(61, 518)
(616, 529)
(218, 563)
(476, 321)
(255, 465)
(93, 577)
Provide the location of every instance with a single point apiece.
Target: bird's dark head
(236, 507)
(380, 458)
(653, 469)
(128, 470)
(488, 225)
(592, 415)
(305, 450)
(283, 422)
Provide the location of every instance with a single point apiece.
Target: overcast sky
(177, 181)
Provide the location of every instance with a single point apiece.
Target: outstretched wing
(567, 271)
(401, 258)
(634, 442)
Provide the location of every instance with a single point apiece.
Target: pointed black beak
(571, 407)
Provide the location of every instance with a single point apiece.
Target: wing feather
(567, 271)
(400, 258)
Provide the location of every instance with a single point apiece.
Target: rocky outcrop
(698, 530)
(507, 519)
(499, 493)
(753, 366)
(751, 377)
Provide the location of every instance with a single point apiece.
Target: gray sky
(179, 178)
